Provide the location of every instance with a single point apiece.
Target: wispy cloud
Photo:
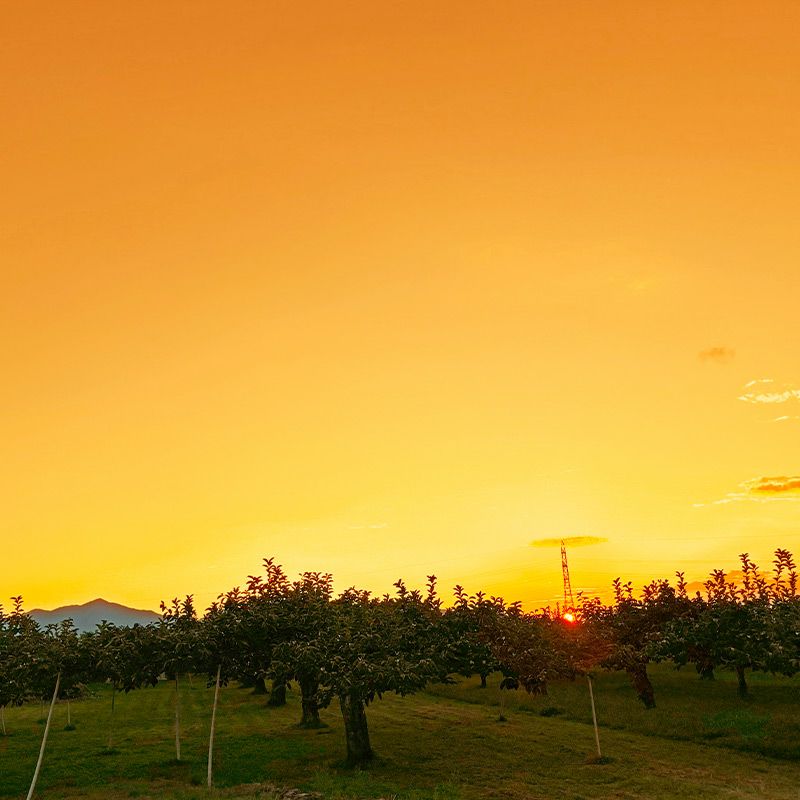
(761, 490)
(719, 355)
(757, 381)
(371, 526)
(570, 541)
(787, 418)
(765, 390)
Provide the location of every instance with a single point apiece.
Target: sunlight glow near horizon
(388, 291)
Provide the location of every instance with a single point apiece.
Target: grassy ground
(443, 745)
(688, 709)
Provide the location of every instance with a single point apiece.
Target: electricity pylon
(569, 601)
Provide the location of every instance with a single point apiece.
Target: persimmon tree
(631, 625)
(179, 650)
(259, 620)
(218, 654)
(19, 643)
(463, 623)
(306, 622)
(57, 662)
(391, 644)
(126, 657)
(71, 659)
(530, 648)
(784, 657)
(753, 624)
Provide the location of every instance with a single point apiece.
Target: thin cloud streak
(758, 381)
(761, 490)
(372, 526)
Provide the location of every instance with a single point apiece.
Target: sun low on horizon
(396, 289)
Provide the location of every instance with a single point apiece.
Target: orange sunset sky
(393, 288)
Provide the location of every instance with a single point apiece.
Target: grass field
(688, 709)
(447, 744)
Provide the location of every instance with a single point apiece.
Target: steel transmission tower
(569, 601)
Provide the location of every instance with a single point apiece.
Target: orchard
(348, 650)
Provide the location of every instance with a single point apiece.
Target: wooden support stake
(44, 739)
(213, 722)
(594, 717)
(177, 720)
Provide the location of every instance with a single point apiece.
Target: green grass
(688, 709)
(701, 742)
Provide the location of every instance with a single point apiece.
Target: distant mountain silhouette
(87, 616)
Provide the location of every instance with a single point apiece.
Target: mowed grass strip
(688, 709)
(429, 748)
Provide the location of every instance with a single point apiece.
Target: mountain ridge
(86, 616)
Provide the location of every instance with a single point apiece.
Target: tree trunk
(308, 700)
(259, 686)
(44, 738)
(111, 721)
(705, 670)
(213, 723)
(359, 751)
(641, 683)
(537, 687)
(177, 720)
(742, 682)
(3, 719)
(277, 697)
(483, 680)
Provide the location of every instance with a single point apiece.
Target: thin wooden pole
(3, 719)
(177, 720)
(111, 721)
(594, 717)
(213, 723)
(44, 739)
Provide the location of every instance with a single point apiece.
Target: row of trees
(352, 647)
